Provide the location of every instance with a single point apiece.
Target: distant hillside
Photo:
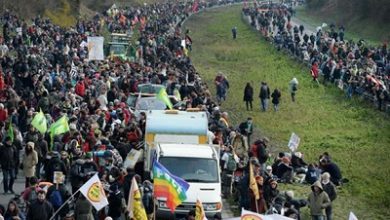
(368, 18)
(63, 12)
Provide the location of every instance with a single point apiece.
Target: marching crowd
(37, 59)
(355, 67)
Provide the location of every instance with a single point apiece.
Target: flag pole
(62, 206)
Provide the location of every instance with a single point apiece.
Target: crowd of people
(355, 67)
(35, 75)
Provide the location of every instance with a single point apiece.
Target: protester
(83, 209)
(40, 209)
(30, 160)
(276, 95)
(330, 189)
(264, 96)
(13, 212)
(234, 32)
(293, 87)
(246, 129)
(318, 201)
(8, 158)
(248, 96)
(229, 165)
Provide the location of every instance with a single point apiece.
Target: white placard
(95, 48)
(294, 142)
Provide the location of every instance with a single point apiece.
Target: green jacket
(318, 202)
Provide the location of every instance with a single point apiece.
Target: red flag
(195, 6)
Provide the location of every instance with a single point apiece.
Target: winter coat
(40, 210)
(83, 210)
(248, 94)
(334, 171)
(29, 162)
(9, 156)
(276, 97)
(318, 202)
(264, 92)
(330, 189)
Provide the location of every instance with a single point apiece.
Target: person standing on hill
(276, 99)
(330, 189)
(264, 96)
(318, 201)
(234, 32)
(248, 96)
(246, 129)
(293, 88)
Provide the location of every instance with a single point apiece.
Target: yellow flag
(199, 211)
(253, 183)
(135, 207)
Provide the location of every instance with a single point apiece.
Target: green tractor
(120, 47)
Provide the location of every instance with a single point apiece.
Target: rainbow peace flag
(169, 186)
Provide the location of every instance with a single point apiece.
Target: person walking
(246, 129)
(83, 209)
(330, 189)
(229, 165)
(30, 160)
(248, 96)
(234, 32)
(276, 99)
(264, 96)
(8, 157)
(40, 209)
(318, 201)
(293, 88)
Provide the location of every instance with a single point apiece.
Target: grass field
(356, 136)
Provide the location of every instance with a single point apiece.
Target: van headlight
(162, 204)
(212, 206)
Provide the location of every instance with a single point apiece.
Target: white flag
(294, 142)
(95, 48)
(73, 71)
(94, 192)
(352, 216)
(248, 215)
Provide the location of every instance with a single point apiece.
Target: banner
(199, 211)
(95, 48)
(253, 183)
(352, 216)
(94, 192)
(135, 207)
(39, 122)
(168, 186)
(248, 215)
(294, 142)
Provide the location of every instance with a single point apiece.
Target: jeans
(328, 212)
(8, 179)
(264, 104)
(276, 107)
(317, 217)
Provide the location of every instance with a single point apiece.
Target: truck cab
(199, 166)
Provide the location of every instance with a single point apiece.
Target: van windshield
(200, 170)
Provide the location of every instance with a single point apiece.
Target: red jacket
(80, 89)
(3, 115)
(314, 71)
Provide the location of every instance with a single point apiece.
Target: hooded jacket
(318, 202)
(30, 160)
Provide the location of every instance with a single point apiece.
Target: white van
(199, 166)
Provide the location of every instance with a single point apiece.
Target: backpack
(231, 163)
(56, 199)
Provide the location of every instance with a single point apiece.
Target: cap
(88, 155)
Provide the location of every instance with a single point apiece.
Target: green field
(356, 135)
